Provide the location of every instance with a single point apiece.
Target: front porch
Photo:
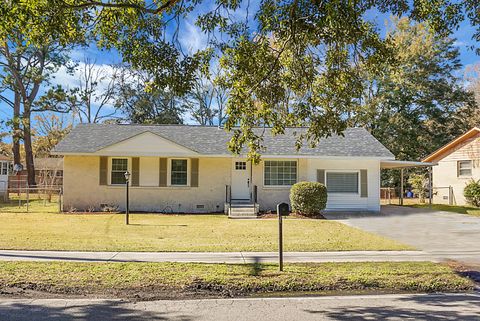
(241, 208)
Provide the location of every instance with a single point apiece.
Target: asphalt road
(464, 307)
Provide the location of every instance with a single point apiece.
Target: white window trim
(129, 168)
(458, 168)
(279, 160)
(169, 171)
(344, 171)
(2, 165)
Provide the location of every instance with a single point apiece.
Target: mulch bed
(270, 215)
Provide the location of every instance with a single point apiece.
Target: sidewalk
(218, 257)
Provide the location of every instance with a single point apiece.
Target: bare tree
(472, 77)
(207, 99)
(50, 129)
(200, 102)
(95, 92)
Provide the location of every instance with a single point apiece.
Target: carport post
(401, 186)
(430, 186)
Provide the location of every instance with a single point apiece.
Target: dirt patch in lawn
(470, 271)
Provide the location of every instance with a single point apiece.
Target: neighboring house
(458, 163)
(48, 173)
(181, 168)
(6, 165)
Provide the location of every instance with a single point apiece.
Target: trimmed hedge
(472, 192)
(308, 198)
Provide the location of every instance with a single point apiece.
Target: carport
(402, 165)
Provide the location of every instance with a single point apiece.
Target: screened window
(464, 168)
(119, 167)
(280, 173)
(179, 172)
(338, 182)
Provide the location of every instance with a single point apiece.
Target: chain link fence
(391, 196)
(31, 199)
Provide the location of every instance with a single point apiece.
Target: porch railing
(255, 195)
(228, 196)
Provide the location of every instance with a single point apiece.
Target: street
(366, 307)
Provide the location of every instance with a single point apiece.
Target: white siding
(82, 189)
(307, 171)
(149, 171)
(445, 174)
(145, 144)
(340, 201)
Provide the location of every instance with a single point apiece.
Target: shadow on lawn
(443, 309)
(256, 266)
(162, 225)
(103, 310)
(56, 258)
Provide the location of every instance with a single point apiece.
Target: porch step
(236, 210)
(241, 202)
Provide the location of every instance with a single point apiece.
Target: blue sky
(192, 39)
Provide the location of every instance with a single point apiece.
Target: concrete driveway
(443, 234)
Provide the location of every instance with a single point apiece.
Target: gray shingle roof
(210, 140)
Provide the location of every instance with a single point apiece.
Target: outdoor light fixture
(127, 179)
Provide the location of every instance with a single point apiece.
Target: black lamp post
(127, 210)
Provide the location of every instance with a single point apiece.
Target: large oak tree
(288, 63)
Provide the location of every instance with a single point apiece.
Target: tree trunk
(16, 136)
(27, 139)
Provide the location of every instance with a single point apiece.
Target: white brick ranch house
(182, 168)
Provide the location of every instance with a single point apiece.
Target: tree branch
(88, 4)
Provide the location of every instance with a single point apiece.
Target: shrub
(308, 198)
(110, 208)
(472, 192)
(419, 185)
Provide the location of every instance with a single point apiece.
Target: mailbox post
(282, 209)
(127, 197)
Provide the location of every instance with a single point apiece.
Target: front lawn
(198, 233)
(180, 280)
(40, 202)
(473, 211)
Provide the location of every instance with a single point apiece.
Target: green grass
(164, 279)
(473, 211)
(35, 205)
(149, 232)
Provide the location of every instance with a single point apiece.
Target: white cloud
(70, 80)
(191, 37)
(73, 80)
(459, 43)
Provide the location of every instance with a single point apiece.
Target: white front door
(240, 179)
(4, 171)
